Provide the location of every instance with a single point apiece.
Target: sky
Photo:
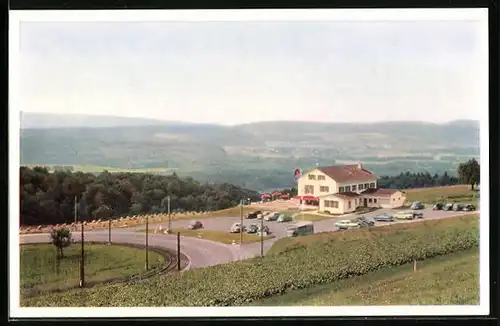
(241, 72)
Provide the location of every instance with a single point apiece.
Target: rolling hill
(256, 155)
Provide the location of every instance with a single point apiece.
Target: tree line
(49, 197)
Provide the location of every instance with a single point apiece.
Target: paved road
(204, 253)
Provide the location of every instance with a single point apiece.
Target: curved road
(203, 253)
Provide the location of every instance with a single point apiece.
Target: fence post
(178, 251)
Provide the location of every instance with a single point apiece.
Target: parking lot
(223, 224)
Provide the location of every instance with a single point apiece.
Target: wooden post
(262, 236)
(82, 261)
(169, 217)
(414, 265)
(241, 217)
(147, 238)
(109, 231)
(178, 251)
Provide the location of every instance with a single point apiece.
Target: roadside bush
(301, 265)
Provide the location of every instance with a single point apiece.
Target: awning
(285, 196)
(265, 196)
(277, 193)
(309, 198)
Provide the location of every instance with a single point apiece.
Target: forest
(49, 197)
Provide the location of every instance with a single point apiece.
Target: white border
(241, 15)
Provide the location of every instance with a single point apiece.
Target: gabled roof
(345, 173)
(379, 192)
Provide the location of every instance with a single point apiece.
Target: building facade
(342, 189)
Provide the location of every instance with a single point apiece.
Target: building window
(367, 185)
(370, 200)
(324, 189)
(341, 189)
(360, 186)
(354, 188)
(331, 203)
(347, 188)
(309, 189)
(349, 204)
(312, 177)
(321, 177)
(372, 185)
(375, 200)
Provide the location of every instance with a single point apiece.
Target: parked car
(364, 221)
(448, 207)
(417, 214)
(252, 228)
(347, 224)
(404, 215)
(194, 225)
(417, 205)
(252, 215)
(272, 216)
(469, 208)
(458, 207)
(384, 218)
(438, 207)
(284, 218)
(261, 216)
(265, 228)
(237, 228)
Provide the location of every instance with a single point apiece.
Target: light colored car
(262, 215)
(364, 221)
(404, 215)
(252, 228)
(284, 218)
(272, 216)
(194, 225)
(347, 224)
(384, 218)
(236, 228)
(417, 205)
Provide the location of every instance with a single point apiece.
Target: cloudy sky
(239, 72)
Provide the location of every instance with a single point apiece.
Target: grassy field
(451, 279)
(298, 264)
(39, 270)
(452, 194)
(219, 236)
(98, 168)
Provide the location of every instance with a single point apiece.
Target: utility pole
(178, 251)
(109, 231)
(262, 236)
(169, 217)
(147, 236)
(82, 258)
(241, 217)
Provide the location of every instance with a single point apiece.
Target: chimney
(360, 166)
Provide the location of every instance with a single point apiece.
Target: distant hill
(31, 120)
(258, 156)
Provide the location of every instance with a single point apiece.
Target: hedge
(302, 266)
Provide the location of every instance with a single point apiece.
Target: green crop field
(451, 194)
(293, 264)
(40, 273)
(450, 279)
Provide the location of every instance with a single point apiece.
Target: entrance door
(365, 202)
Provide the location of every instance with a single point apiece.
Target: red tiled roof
(348, 173)
(379, 192)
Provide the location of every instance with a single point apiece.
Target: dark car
(469, 208)
(458, 207)
(438, 207)
(384, 218)
(364, 221)
(253, 215)
(448, 207)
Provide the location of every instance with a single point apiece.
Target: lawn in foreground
(451, 279)
(218, 236)
(39, 271)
